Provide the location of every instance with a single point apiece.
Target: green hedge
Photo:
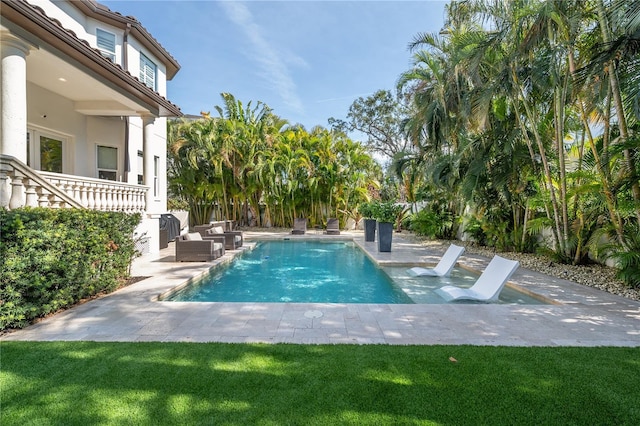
(54, 258)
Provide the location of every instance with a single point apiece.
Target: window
(156, 174)
(29, 161)
(50, 155)
(47, 151)
(140, 168)
(106, 43)
(147, 71)
(107, 163)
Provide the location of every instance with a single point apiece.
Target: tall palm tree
(192, 169)
(616, 57)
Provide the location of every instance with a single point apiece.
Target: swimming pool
(298, 272)
(322, 272)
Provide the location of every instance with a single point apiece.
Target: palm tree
(192, 170)
(245, 133)
(615, 57)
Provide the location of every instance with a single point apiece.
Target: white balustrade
(17, 191)
(99, 194)
(31, 194)
(22, 186)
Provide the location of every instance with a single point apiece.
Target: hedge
(54, 258)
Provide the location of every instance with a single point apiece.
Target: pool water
(298, 272)
(323, 272)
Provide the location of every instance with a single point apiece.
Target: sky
(307, 60)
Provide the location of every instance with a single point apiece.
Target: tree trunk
(622, 121)
(558, 233)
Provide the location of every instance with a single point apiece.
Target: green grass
(88, 383)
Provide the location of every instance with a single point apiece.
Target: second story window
(106, 43)
(148, 71)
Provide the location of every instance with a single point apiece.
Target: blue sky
(307, 60)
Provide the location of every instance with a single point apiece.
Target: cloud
(273, 63)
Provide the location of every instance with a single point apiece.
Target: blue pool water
(323, 272)
(299, 272)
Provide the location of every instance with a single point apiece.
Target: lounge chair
(488, 287)
(192, 248)
(444, 267)
(333, 226)
(299, 226)
(232, 239)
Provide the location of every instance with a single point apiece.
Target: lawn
(87, 383)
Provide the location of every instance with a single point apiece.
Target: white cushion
(217, 246)
(217, 230)
(238, 238)
(193, 236)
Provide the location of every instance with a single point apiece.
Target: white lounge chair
(444, 267)
(488, 287)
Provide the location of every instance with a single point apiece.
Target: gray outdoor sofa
(232, 239)
(193, 248)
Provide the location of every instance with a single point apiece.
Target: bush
(386, 211)
(626, 255)
(366, 210)
(54, 258)
(431, 224)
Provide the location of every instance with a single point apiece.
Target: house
(83, 111)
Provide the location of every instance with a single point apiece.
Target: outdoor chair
(192, 248)
(202, 228)
(333, 226)
(299, 226)
(444, 267)
(232, 239)
(488, 287)
(227, 225)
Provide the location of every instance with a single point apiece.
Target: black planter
(369, 229)
(385, 235)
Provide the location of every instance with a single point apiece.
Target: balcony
(22, 186)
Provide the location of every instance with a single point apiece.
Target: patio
(581, 316)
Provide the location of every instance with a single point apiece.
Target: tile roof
(39, 21)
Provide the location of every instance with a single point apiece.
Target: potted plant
(386, 214)
(367, 210)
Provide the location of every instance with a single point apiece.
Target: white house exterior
(83, 110)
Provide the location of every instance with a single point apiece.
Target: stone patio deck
(581, 316)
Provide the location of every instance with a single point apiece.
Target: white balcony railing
(99, 194)
(23, 186)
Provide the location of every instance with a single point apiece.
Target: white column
(147, 159)
(13, 101)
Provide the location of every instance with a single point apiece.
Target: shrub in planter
(367, 210)
(386, 214)
(385, 236)
(387, 211)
